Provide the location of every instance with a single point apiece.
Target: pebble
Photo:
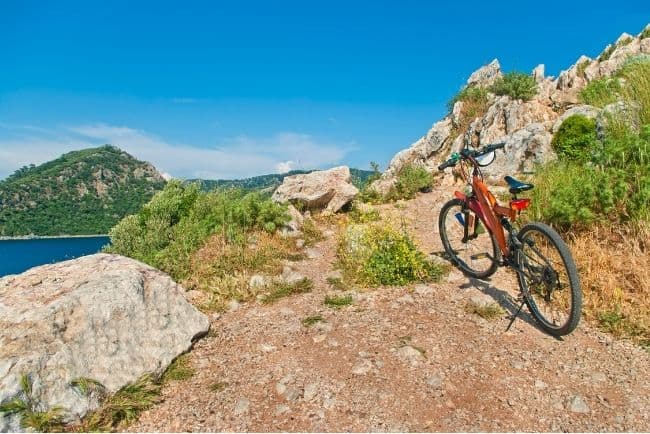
(539, 384)
(362, 368)
(242, 406)
(409, 354)
(313, 253)
(257, 281)
(267, 348)
(300, 243)
(311, 390)
(434, 381)
(423, 290)
(233, 305)
(281, 409)
(577, 404)
(406, 299)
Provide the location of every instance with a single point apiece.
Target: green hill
(271, 181)
(81, 192)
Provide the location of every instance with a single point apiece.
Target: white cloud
(241, 156)
(284, 166)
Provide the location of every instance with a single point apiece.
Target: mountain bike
(478, 235)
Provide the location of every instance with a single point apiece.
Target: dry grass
(223, 269)
(614, 266)
(490, 311)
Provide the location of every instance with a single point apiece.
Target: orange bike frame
(485, 205)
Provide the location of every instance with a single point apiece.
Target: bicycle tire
(492, 251)
(552, 281)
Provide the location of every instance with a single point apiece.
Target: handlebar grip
(446, 164)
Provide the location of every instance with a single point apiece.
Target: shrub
(576, 137)
(582, 67)
(178, 220)
(645, 33)
(367, 193)
(410, 180)
(472, 95)
(573, 195)
(516, 85)
(600, 92)
(379, 255)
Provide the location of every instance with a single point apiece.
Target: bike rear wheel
(548, 279)
(469, 245)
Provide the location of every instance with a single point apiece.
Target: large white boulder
(102, 317)
(323, 189)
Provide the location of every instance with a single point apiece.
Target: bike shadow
(505, 300)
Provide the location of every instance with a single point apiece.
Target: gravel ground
(403, 359)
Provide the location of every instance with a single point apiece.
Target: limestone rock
(538, 73)
(324, 189)
(103, 317)
(485, 75)
(583, 109)
(524, 149)
(427, 148)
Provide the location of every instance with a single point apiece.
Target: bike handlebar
(468, 153)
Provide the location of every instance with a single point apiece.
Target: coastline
(47, 237)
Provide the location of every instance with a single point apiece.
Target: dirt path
(403, 359)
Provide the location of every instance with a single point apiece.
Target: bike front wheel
(469, 245)
(548, 279)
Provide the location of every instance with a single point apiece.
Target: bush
(410, 180)
(575, 138)
(379, 255)
(600, 92)
(516, 85)
(178, 220)
(473, 95)
(571, 195)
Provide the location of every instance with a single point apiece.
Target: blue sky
(240, 88)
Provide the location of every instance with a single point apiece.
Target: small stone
(291, 394)
(233, 305)
(280, 388)
(334, 275)
(362, 368)
(539, 384)
(423, 290)
(257, 281)
(281, 409)
(300, 243)
(313, 253)
(267, 348)
(242, 406)
(577, 404)
(329, 402)
(481, 300)
(286, 312)
(319, 338)
(434, 381)
(311, 390)
(406, 299)
(410, 354)
(455, 276)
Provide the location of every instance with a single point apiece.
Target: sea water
(17, 256)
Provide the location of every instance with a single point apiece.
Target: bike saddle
(517, 186)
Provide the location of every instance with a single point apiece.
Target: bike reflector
(460, 218)
(519, 204)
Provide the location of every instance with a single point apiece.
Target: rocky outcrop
(328, 190)
(101, 317)
(527, 127)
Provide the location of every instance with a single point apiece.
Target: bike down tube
(488, 216)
